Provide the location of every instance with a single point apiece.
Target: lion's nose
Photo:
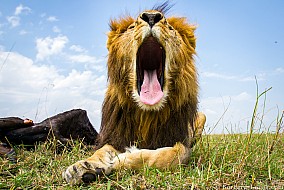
(151, 18)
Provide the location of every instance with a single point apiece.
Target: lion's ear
(184, 29)
(117, 27)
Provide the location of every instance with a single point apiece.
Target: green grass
(217, 161)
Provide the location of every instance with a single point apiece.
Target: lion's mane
(125, 121)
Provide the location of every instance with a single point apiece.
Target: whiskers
(126, 41)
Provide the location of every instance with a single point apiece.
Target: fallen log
(65, 126)
(10, 123)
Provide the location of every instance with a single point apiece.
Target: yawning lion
(151, 100)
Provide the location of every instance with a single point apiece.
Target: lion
(151, 100)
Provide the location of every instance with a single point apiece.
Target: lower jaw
(146, 107)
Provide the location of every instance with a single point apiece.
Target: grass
(218, 161)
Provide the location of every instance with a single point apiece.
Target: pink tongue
(151, 92)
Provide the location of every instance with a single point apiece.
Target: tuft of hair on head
(164, 7)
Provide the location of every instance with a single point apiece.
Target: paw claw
(75, 169)
(86, 165)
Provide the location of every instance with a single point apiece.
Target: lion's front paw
(85, 171)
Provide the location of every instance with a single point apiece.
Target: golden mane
(125, 119)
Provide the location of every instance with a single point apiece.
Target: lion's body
(123, 127)
(161, 112)
(123, 121)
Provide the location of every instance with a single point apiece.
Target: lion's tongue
(151, 92)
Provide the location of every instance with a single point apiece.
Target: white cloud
(22, 9)
(217, 75)
(259, 76)
(56, 29)
(40, 91)
(13, 20)
(90, 62)
(49, 46)
(247, 79)
(19, 72)
(52, 19)
(82, 58)
(78, 48)
(244, 96)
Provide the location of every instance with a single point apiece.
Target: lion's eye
(171, 28)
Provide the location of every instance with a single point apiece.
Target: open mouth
(150, 68)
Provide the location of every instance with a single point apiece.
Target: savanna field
(217, 162)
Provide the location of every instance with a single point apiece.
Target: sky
(53, 58)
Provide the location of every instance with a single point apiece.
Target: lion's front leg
(161, 158)
(106, 159)
(101, 162)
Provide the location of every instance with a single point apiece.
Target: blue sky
(53, 57)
